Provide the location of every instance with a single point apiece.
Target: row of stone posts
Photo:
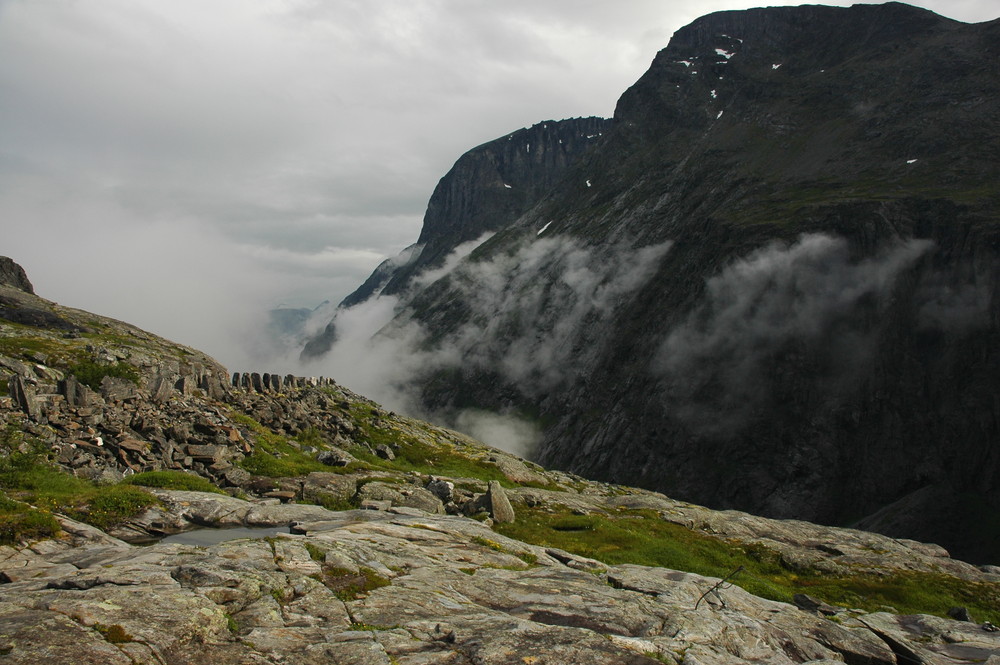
(273, 383)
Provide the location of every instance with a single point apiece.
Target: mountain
(486, 190)
(771, 284)
(152, 512)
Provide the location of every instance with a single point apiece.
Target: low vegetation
(91, 373)
(641, 537)
(34, 488)
(173, 480)
(415, 451)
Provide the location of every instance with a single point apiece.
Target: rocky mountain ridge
(487, 189)
(771, 285)
(380, 561)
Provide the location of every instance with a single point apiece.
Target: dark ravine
(820, 337)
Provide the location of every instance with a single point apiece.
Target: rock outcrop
(12, 274)
(407, 587)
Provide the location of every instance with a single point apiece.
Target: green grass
(641, 537)
(173, 480)
(59, 352)
(347, 585)
(19, 522)
(33, 488)
(276, 457)
(413, 453)
(91, 373)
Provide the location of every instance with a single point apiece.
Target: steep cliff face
(773, 284)
(487, 189)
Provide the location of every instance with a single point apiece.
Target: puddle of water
(207, 536)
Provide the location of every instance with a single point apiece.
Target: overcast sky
(187, 164)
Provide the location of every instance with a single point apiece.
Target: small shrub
(90, 373)
(173, 480)
(113, 505)
(114, 633)
(315, 552)
(20, 522)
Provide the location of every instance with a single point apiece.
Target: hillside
(771, 285)
(389, 540)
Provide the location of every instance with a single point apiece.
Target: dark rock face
(13, 274)
(815, 332)
(487, 189)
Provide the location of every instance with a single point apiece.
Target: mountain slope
(487, 189)
(772, 285)
(310, 525)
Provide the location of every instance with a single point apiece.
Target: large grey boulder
(12, 274)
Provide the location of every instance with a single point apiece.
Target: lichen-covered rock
(411, 589)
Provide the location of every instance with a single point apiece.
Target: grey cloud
(529, 312)
(715, 364)
(302, 126)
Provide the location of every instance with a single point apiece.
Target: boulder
(23, 394)
(328, 488)
(12, 274)
(495, 502)
(335, 457)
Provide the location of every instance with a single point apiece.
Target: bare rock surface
(409, 588)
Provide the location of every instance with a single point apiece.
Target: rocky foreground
(389, 540)
(405, 586)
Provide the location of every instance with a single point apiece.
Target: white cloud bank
(526, 315)
(186, 165)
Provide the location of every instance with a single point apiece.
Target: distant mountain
(771, 284)
(486, 190)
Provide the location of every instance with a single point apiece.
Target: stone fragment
(960, 614)
(23, 394)
(74, 392)
(810, 604)
(385, 452)
(237, 477)
(207, 453)
(498, 504)
(442, 489)
(114, 389)
(328, 488)
(335, 457)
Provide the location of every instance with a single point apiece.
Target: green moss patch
(27, 477)
(347, 585)
(91, 373)
(173, 480)
(20, 522)
(641, 537)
